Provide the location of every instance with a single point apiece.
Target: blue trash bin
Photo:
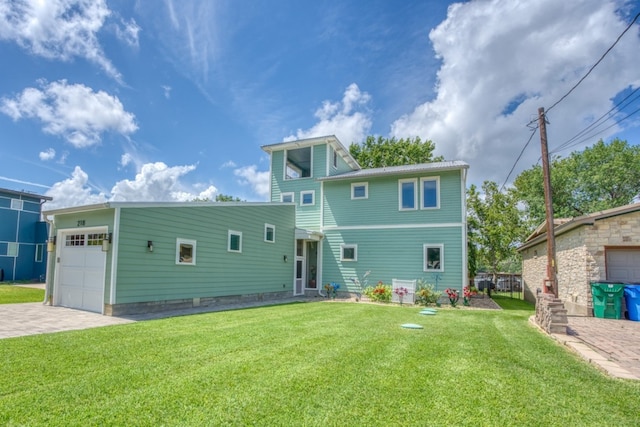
(632, 300)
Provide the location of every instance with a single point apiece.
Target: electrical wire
(519, 157)
(594, 65)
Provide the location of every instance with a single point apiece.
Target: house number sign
(81, 223)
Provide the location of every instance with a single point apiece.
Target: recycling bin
(607, 299)
(632, 300)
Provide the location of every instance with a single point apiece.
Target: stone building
(600, 246)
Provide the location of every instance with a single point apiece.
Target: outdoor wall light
(150, 245)
(51, 244)
(284, 258)
(106, 242)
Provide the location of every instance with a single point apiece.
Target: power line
(519, 157)
(594, 65)
(600, 121)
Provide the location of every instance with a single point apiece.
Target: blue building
(23, 236)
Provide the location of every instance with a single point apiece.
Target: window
(335, 159)
(433, 257)
(348, 252)
(95, 239)
(17, 204)
(12, 249)
(185, 252)
(359, 190)
(298, 163)
(269, 233)
(74, 240)
(407, 194)
(430, 193)
(307, 198)
(235, 241)
(286, 197)
(39, 252)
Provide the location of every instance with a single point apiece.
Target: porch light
(51, 244)
(106, 242)
(150, 245)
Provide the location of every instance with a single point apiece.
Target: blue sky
(171, 100)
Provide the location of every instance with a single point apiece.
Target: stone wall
(581, 258)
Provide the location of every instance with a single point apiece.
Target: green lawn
(313, 364)
(10, 294)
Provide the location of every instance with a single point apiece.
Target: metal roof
(113, 205)
(397, 170)
(25, 193)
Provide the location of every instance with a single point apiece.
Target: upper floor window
(407, 194)
(298, 163)
(12, 249)
(17, 204)
(430, 192)
(185, 251)
(307, 198)
(359, 190)
(286, 197)
(335, 159)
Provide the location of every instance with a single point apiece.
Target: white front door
(80, 267)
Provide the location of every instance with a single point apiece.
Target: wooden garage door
(623, 264)
(81, 271)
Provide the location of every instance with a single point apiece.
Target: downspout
(48, 294)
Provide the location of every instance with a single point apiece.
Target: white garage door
(81, 271)
(623, 264)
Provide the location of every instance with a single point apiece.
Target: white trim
(234, 233)
(181, 241)
(114, 255)
(414, 181)
(465, 237)
(17, 204)
(266, 227)
(288, 193)
(430, 178)
(360, 184)
(313, 197)
(353, 246)
(424, 257)
(295, 168)
(393, 226)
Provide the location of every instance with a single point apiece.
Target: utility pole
(551, 281)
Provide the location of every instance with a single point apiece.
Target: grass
(312, 364)
(10, 294)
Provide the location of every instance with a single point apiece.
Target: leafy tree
(600, 177)
(219, 198)
(382, 152)
(495, 226)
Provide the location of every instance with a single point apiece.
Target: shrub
(426, 294)
(381, 293)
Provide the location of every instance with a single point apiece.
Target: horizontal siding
(381, 207)
(393, 254)
(152, 276)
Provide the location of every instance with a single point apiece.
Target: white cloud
(126, 159)
(73, 111)
(259, 181)
(128, 32)
(73, 191)
(347, 119)
(503, 60)
(50, 154)
(228, 164)
(154, 182)
(57, 29)
(167, 91)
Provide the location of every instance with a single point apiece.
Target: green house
(327, 220)
(124, 258)
(406, 222)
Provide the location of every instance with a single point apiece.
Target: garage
(81, 270)
(623, 264)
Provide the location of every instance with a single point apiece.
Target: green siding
(393, 254)
(343, 167)
(381, 207)
(153, 276)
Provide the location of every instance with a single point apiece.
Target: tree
(219, 198)
(600, 177)
(494, 225)
(382, 152)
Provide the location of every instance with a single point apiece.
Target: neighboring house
(122, 257)
(328, 221)
(402, 222)
(600, 246)
(23, 236)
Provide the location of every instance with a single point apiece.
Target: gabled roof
(563, 225)
(399, 170)
(329, 139)
(25, 194)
